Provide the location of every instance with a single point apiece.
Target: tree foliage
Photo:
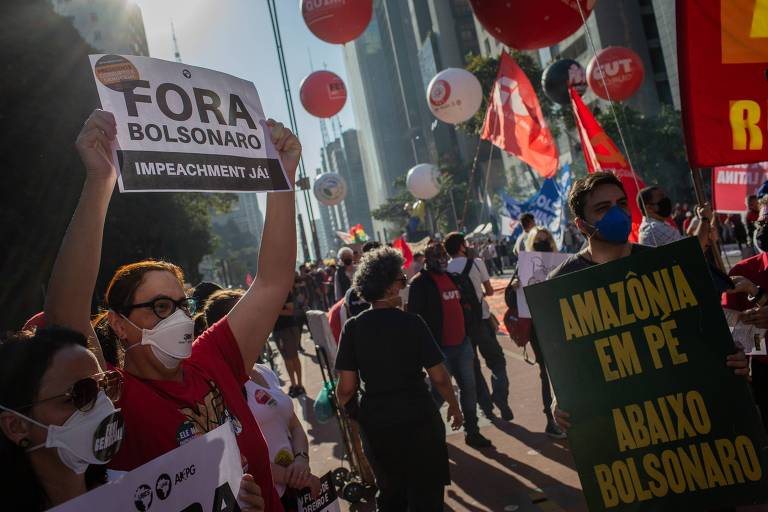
(655, 147)
(48, 92)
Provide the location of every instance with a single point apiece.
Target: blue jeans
(484, 339)
(459, 359)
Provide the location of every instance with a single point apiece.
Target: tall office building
(343, 157)
(645, 26)
(110, 26)
(388, 68)
(389, 104)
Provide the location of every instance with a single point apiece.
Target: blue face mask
(615, 225)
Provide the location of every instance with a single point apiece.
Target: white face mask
(91, 437)
(170, 340)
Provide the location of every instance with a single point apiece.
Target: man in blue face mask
(602, 214)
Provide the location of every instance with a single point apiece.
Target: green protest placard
(636, 351)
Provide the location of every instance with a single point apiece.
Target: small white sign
(183, 128)
(204, 474)
(750, 338)
(532, 268)
(326, 501)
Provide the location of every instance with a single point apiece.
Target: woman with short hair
(388, 349)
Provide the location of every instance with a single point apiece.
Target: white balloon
(454, 95)
(423, 181)
(330, 188)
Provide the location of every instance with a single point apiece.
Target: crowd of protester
(167, 362)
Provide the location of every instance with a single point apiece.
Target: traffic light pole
(303, 179)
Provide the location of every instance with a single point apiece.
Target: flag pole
(701, 199)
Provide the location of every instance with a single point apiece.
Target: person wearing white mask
(176, 387)
(58, 422)
(55, 410)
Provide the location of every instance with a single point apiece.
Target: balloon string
(613, 112)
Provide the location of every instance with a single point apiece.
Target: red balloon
(337, 21)
(531, 24)
(623, 72)
(323, 94)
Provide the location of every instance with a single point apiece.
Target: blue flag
(546, 206)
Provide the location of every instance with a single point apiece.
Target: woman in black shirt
(388, 349)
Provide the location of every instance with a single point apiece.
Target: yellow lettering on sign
(760, 19)
(744, 116)
(743, 31)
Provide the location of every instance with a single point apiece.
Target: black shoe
(554, 431)
(477, 440)
(300, 391)
(506, 413)
(292, 391)
(489, 414)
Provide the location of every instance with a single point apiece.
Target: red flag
(402, 246)
(722, 55)
(514, 121)
(602, 154)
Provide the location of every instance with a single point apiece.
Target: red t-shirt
(453, 314)
(163, 415)
(756, 270)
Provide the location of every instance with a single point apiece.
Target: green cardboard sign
(636, 350)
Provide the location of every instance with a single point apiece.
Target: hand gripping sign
(202, 475)
(183, 128)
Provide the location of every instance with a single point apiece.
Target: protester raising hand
(149, 316)
(288, 145)
(94, 143)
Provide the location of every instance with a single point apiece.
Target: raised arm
(252, 319)
(70, 290)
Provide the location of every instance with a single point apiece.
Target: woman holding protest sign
(174, 389)
(540, 239)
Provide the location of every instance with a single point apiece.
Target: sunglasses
(84, 392)
(163, 307)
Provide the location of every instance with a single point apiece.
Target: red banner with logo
(731, 184)
(601, 154)
(722, 59)
(514, 121)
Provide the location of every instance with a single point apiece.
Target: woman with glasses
(176, 387)
(56, 406)
(53, 398)
(388, 350)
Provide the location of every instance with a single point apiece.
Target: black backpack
(473, 309)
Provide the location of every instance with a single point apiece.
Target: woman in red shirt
(174, 388)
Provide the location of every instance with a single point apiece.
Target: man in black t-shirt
(600, 206)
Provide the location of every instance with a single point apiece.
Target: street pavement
(526, 471)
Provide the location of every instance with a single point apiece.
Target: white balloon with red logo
(454, 95)
(423, 181)
(622, 70)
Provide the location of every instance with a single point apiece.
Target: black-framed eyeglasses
(85, 391)
(163, 307)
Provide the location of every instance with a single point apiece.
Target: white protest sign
(203, 475)
(183, 128)
(532, 268)
(326, 501)
(750, 338)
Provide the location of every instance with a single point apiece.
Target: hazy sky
(235, 36)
